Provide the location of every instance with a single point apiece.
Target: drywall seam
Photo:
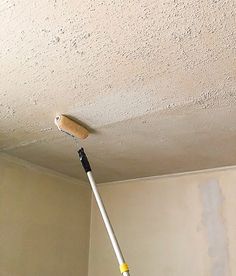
(38, 168)
(217, 169)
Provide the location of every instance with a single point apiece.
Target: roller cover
(71, 127)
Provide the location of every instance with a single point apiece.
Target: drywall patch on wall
(212, 218)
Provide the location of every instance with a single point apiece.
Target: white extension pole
(85, 163)
(107, 223)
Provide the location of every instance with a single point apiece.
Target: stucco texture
(154, 80)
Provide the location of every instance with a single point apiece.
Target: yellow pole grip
(124, 268)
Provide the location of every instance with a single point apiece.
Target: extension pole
(123, 266)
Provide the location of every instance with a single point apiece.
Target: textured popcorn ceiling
(155, 80)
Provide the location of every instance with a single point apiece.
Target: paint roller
(74, 129)
(71, 127)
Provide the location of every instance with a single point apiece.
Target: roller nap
(71, 127)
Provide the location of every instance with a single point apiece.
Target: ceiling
(155, 81)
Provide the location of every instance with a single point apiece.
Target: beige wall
(170, 226)
(44, 222)
(177, 225)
